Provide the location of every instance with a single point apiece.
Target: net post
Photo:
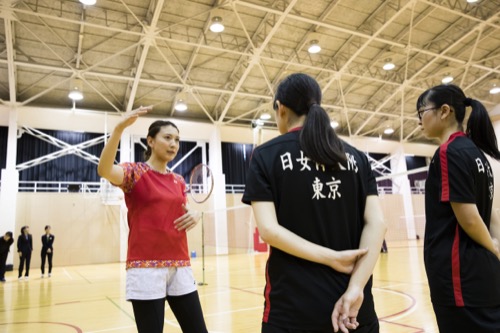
(202, 283)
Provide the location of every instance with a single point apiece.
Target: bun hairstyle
(479, 127)
(154, 128)
(302, 94)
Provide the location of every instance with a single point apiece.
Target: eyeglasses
(421, 112)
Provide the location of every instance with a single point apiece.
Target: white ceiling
(145, 52)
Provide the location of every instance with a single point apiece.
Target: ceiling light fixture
(495, 90)
(76, 90)
(314, 47)
(389, 130)
(471, 1)
(265, 116)
(217, 25)
(180, 105)
(447, 79)
(334, 124)
(389, 65)
(88, 2)
(388, 127)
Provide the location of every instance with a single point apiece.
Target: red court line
(413, 303)
(420, 330)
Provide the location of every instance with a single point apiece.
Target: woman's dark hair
(302, 94)
(23, 228)
(154, 128)
(9, 233)
(47, 227)
(479, 126)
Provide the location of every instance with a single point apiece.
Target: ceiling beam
(150, 32)
(11, 66)
(255, 58)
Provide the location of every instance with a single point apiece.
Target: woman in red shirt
(158, 266)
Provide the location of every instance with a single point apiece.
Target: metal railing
(87, 187)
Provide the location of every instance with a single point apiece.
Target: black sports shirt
(460, 271)
(321, 205)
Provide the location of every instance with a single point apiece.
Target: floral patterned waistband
(157, 263)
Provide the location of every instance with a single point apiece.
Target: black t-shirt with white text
(460, 271)
(321, 205)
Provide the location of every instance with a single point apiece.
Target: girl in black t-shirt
(315, 202)
(461, 253)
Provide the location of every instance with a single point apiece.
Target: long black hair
(154, 128)
(302, 94)
(479, 126)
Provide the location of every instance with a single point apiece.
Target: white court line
(66, 272)
(233, 311)
(402, 284)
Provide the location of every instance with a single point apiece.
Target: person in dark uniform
(47, 249)
(24, 249)
(5, 243)
(315, 202)
(460, 255)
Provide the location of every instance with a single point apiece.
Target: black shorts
(452, 319)
(372, 327)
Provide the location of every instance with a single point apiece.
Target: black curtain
(415, 162)
(235, 161)
(184, 169)
(66, 168)
(4, 131)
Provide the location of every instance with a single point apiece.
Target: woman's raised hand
(130, 117)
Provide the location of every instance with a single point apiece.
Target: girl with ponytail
(314, 198)
(461, 250)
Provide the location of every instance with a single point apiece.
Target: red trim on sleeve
(445, 185)
(443, 159)
(455, 270)
(267, 309)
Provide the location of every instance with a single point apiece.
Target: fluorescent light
(334, 124)
(314, 47)
(495, 90)
(389, 130)
(75, 95)
(471, 1)
(265, 116)
(447, 79)
(88, 2)
(388, 66)
(76, 88)
(180, 105)
(217, 25)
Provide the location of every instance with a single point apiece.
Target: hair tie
(468, 101)
(312, 104)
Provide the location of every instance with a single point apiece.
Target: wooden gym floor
(91, 299)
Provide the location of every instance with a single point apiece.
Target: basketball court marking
(77, 329)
